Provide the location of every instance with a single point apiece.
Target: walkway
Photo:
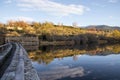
(15, 64)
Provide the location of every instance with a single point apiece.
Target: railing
(4, 56)
(9, 73)
(4, 50)
(4, 47)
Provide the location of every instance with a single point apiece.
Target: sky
(67, 12)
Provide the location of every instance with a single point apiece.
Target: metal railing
(4, 47)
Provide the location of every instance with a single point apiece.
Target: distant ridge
(103, 27)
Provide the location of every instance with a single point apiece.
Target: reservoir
(77, 62)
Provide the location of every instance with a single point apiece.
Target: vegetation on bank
(48, 31)
(36, 28)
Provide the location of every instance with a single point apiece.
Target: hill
(103, 27)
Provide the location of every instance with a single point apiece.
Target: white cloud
(113, 1)
(51, 7)
(8, 1)
(99, 5)
(19, 18)
(111, 17)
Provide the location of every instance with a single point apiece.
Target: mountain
(103, 27)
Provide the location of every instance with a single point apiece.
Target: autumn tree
(36, 26)
(116, 34)
(2, 28)
(1, 25)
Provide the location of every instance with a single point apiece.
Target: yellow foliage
(116, 34)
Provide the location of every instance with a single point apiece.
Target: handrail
(5, 53)
(4, 45)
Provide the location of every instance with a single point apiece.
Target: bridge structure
(15, 64)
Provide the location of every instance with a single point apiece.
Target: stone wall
(25, 41)
(2, 39)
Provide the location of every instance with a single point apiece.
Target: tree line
(50, 30)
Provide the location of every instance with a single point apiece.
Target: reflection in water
(46, 54)
(77, 63)
(62, 71)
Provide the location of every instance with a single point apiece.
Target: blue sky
(82, 12)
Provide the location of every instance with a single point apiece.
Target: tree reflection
(48, 54)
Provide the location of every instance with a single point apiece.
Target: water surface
(77, 63)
